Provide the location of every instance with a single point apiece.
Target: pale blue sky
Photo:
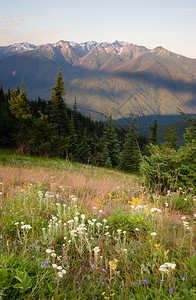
(151, 23)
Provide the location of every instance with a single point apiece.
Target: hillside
(126, 78)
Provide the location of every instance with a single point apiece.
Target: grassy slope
(115, 262)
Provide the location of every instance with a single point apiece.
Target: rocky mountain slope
(122, 77)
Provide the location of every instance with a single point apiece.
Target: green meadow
(75, 231)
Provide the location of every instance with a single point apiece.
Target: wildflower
(60, 274)
(16, 223)
(124, 232)
(157, 245)
(103, 270)
(96, 249)
(125, 250)
(119, 231)
(136, 229)
(104, 221)
(59, 268)
(183, 278)
(183, 218)
(93, 266)
(165, 266)
(145, 281)
(26, 227)
(153, 234)
(139, 282)
(54, 266)
(170, 265)
(49, 251)
(53, 254)
(154, 209)
(163, 269)
(83, 216)
(171, 290)
(101, 282)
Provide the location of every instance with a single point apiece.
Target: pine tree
(20, 109)
(84, 151)
(110, 142)
(19, 105)
(171, 137)
(154, 133)
(130, 155)
(58, 108)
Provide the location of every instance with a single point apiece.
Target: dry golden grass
(95, 181)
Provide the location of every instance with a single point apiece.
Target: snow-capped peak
(22, 46)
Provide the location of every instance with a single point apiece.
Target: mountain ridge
(127, 78)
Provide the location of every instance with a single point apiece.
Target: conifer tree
(154, 133)
(84, 151)
(19, 105)
(110, 143)
(130, 155)
(58, 107)
(171, 137)
(20, 109)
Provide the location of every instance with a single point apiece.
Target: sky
(150, 23)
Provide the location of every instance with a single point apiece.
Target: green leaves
(24, 279)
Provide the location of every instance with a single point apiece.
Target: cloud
(8, 21)
(189, 11)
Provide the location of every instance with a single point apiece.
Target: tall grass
(71, 231)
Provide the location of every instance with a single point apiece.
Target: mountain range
(120, 77)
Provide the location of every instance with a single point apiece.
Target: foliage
(110, 143)
(171, 137)
(166, 168)
(130, 156)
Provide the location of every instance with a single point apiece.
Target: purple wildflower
(183, 278)
(93, 266)
(103, 270)
(171, 290)
(139, 282)
(145, 281)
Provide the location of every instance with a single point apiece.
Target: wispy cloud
(8, 21)
(189, 11)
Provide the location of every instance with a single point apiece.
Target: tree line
(50, 128)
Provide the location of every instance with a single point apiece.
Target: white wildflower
(153, 233)
(54, 266)
(49, 251)
(96, 249)
(26, 227)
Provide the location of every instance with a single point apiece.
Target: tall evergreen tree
(154, 133)
(171, 137)
(110, 143)
(57, 106)
(130, 156)
(20, 109)
(19, 105)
